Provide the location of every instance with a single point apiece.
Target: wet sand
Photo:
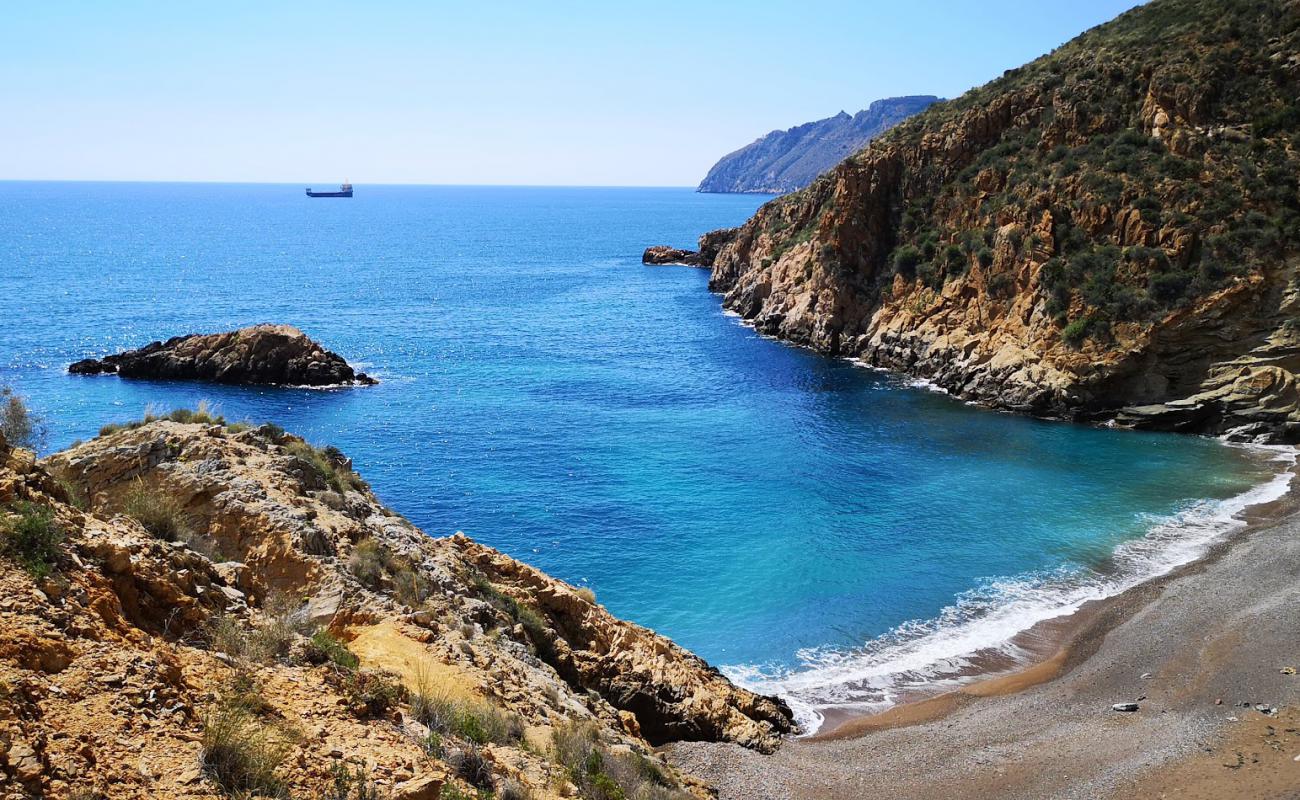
(1193, 645)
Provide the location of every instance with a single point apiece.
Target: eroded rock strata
(207, 573)
(1107, 232)
(260, 354)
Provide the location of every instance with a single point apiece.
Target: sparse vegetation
(241, 755)
(474, 721)
(323, 647)
(159, 513)
(352, 783)
(534, 625)
(203, 414)
(586, 594)
(30, 536)
(329, 464)
(471, 766)
(266, 643)
(372, 693)
(72, 489)
(601, 774)
(19, 426)
(377, 567)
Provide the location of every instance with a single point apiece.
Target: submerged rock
(261, 354)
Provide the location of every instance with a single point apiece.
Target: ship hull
(310, 193)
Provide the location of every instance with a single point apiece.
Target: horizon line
(375, 183)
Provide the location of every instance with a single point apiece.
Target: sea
(835, 535)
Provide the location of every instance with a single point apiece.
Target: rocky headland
(259, 354)
(784, 161)
(1107, 233)
(193, 609)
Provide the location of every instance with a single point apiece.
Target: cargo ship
(344, 191)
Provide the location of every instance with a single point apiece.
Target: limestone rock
(115, 668)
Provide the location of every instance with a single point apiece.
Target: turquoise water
(817, 528)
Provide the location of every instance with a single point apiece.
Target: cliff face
(206, 593)
(783, 161)
(1108, 231)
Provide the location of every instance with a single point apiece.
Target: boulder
(261, 354)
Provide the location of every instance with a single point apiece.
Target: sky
(517, 93)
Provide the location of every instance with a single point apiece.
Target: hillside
(1107, 232)
(783, 161)
(196, 610)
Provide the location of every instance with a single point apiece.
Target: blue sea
(815, 528)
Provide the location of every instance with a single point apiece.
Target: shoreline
(1061, 643)
(1026, 656)
(1190, 646)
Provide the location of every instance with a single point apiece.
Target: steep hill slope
(1108, 231)
(190, 609)
(783, 161)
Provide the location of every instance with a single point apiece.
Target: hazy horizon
(513, 95)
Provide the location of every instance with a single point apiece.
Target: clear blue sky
(625, 93)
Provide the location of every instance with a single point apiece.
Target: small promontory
(260, 354)
(201, 610)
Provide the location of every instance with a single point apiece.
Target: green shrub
(1074, 333)
(240, 755)
(534, 624)
(159, 513)
(20, 427)
(329, 464)
(204, 414)
(905, 260)
(368, 562)
(601, 774)
(323, 647)
(31, 538)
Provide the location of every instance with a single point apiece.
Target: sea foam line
(938, 654)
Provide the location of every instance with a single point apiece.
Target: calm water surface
(819, 529)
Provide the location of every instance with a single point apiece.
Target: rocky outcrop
(1110, 232)
(674, 695)
(116, 662)
(710, 244)
(663, 254)
(261, 354)
(784, 161)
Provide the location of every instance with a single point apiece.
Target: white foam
(935, 655)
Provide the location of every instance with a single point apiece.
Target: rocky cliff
(260, 354)
(783, 161)
(195, 610)
(1107, 232)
